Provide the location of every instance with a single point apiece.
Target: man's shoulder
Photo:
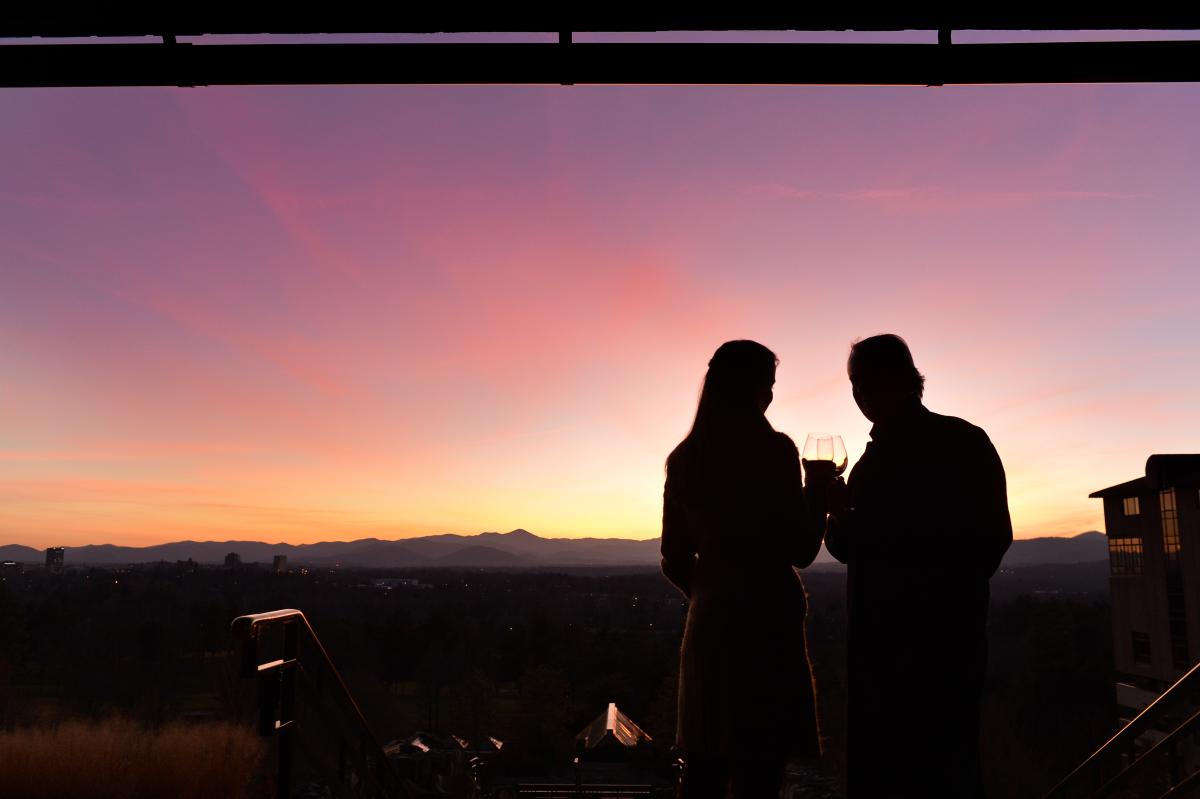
(681, 454)
(784, 442)
(957, 427)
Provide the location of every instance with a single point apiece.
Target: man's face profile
(876, 393)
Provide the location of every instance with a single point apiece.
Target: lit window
(1141, 648)
(1166, 499)
(1125, 555)
(1132, 506)
(1170, 523)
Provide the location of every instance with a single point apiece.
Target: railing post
(285, 764)
(277, 688)
(268, 701)
(287, 675)
(249, 665)
(287, 705)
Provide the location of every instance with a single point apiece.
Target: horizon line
(1065, 536)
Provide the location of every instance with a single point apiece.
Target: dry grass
(118, 758)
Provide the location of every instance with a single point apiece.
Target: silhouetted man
(922, 526)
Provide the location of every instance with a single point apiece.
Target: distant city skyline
(328, 313)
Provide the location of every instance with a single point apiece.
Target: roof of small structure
(614, 725)
(1162, 471)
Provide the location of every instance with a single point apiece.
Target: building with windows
(1153, 529)
(279, 565)
(54, 558)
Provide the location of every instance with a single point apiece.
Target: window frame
(1125, 556)
(1168, 505)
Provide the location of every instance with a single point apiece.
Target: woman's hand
(818, 476)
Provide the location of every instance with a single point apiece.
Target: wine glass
(826, 447)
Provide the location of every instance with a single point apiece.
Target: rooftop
(1162, 471)
(612, 725)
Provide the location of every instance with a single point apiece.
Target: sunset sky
(310, 314)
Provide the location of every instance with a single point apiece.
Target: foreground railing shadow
(329, 729)
(1157, 754)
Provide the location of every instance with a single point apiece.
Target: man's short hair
(888, 354)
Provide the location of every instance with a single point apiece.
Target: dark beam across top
(72, 19)
(553, 63)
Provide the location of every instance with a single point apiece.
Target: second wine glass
(826, 447)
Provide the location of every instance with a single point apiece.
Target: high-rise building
(1153, 529)
(54, 558)
(233, 559)
(280, 564)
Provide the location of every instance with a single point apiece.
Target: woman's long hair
(728, 413)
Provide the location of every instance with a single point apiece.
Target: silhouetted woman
(735, 523)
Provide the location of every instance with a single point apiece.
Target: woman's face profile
(765, 394)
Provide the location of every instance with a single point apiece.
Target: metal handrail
(1127, 734)
(1184, 788)
(1158, 748)
(248, 629)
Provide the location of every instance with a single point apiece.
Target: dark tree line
(529, 658)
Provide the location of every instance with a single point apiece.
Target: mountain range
(515, 549)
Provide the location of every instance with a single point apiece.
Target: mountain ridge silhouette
(515, 549)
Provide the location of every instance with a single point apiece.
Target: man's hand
(838, 498)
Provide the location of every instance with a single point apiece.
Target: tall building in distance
(279, 565)
(233, 560)
(1153, 529)
(54, 558)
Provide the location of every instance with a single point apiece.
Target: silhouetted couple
(922, 526)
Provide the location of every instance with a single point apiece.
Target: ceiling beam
(69, 20)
